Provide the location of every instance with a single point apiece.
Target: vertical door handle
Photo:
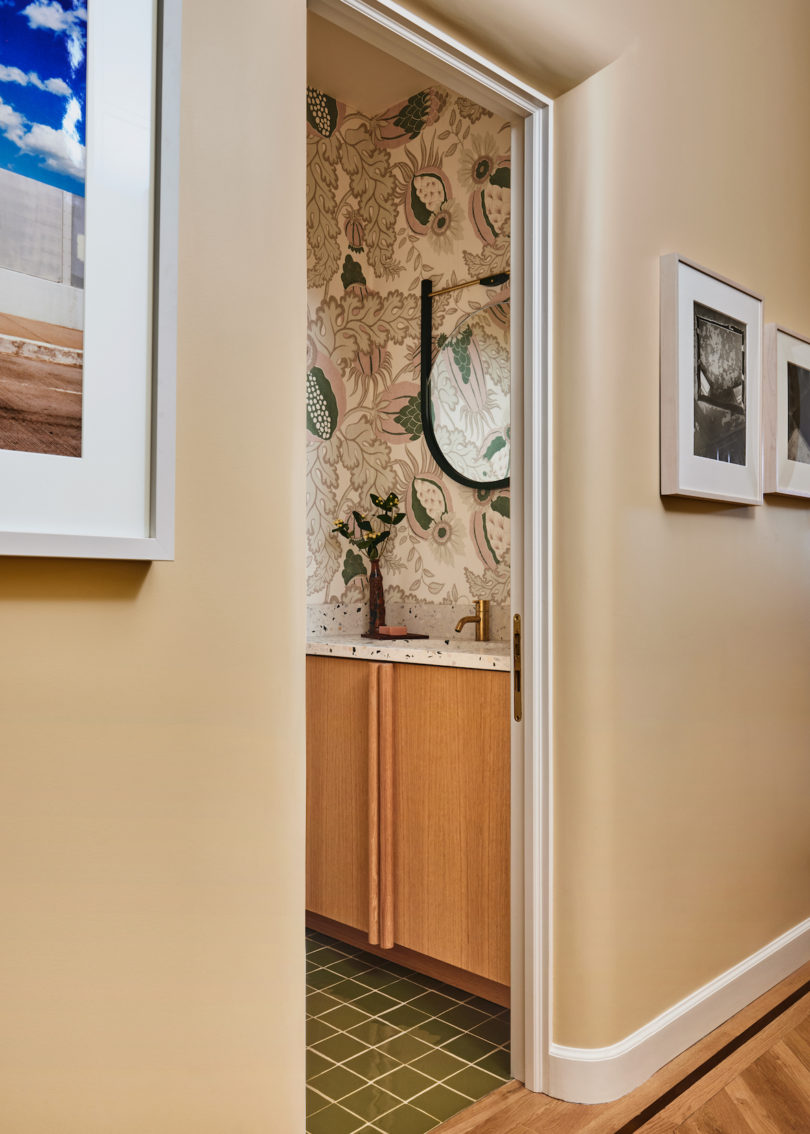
(386, 719)
(517, 674)
(374, 804)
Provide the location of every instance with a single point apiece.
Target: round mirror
(465, 401)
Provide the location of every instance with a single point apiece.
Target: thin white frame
(780, 473)
(157, 543)
(391, 27)
(684, 283)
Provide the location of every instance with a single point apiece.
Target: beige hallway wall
(151, 786)
(152, 773)
(683, 648)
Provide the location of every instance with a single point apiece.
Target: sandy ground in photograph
(40, 399)
(21, 328)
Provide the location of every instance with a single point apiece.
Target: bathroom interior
(408, 731)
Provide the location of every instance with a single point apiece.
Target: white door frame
(393, 29)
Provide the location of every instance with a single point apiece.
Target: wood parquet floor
(719, 1086)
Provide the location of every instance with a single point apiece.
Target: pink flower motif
(399, 413)
(426, 502)
(406, 120)
(354, 229)
(490, 204)
(490, 530)
(371, 362)
(427, 193)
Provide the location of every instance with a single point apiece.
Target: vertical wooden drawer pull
(374, 804)
(386, 765)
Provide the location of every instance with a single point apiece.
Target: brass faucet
(480, 618)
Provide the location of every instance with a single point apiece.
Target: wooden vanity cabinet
(338, 789)
(451, 816)
(408, 828)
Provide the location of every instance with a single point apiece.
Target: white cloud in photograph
(12, 124)
(59, 150)
(50, 15)
(15, 75)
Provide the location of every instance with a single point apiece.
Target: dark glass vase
(376, 598)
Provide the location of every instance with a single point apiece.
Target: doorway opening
(426, 781)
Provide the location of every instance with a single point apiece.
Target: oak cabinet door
(451, 816)
(338, 789)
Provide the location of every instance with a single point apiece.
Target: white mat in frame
(710, 327)
(786, 412)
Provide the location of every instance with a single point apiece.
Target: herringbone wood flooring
(761, 1087)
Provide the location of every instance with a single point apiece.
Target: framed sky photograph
(88, 197)
(711, 385)
(786, 412)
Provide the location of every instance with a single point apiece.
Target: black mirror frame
(426, 365)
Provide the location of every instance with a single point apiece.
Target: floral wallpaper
(420, 190)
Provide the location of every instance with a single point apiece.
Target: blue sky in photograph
(43, 90)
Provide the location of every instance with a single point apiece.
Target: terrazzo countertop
(460, 653)
(436, 619)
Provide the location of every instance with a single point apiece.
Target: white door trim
(416, 42)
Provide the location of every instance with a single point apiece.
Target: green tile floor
(391, 1051)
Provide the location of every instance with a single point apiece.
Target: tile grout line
(501, 1011)
(459, 998)
(399, 1102)
(405, 1032)
(433, 1081)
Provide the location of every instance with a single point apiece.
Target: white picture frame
(711, 385)
(786, 391)
(116, 501)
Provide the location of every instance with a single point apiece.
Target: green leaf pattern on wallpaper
(421, 189)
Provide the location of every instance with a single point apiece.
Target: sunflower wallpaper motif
(422, 189)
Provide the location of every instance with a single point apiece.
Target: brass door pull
(516, 668)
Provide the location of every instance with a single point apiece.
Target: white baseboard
(601, 1074)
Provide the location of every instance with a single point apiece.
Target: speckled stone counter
(436, 619)
(461, 653)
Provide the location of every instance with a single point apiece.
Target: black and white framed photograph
(711, 385)
(89, 91)
(786, 412)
